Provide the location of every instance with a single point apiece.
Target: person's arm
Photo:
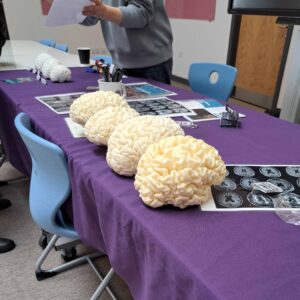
(136, 14)
(103, 11)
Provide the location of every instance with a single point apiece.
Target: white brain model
(48, 66)
(100, 126)
(88, 104)
(131, 139)
(60, 73)
(178, 171)
(40, 60)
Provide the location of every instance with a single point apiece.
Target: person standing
(138, 35)
(3, 30)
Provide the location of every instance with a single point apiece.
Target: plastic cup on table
(84, 55)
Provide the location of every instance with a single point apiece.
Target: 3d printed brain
(88, 104)
(178, 171)
(100, 126)
(60, 73)
(40, 59)
(131, 139)
(48, 66)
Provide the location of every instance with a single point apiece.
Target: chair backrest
(212, 79)
(48, 42)
(62, 47)
(107, 59)
(49, 183)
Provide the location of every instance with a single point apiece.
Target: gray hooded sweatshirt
(143, 39)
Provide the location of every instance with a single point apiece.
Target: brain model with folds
(60, 73)
(88, 104)
(178, 171)
(100, 126)
(48, 66)
(131, 139)
(40, 60)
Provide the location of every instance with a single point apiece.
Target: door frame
(232, 54)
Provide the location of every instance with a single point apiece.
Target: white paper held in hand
(66, 12)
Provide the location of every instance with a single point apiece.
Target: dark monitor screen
(288, 8)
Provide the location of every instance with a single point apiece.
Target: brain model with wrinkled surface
(178, 171)
(48, 66)
(130, 140)
(88, 104)
(60, 73)
(40, 60)
(100, 126)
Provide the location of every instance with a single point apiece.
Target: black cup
(84, 55)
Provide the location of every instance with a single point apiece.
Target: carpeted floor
(17, 277)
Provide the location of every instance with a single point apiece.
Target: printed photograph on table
(59, 103)
(160, 107)
(201, 115)
(205, 109)
(144, 90)
(254, 188)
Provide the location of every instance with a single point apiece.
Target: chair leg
(103, 286)
(2, 154)
(101, 279)
(42, 274)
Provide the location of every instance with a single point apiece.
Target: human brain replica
(178, 171)
(48, 66)
(130, 140)
(100, 126)
(40, 60)
(60, 73)
(88, 104)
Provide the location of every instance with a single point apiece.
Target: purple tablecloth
(169, 253)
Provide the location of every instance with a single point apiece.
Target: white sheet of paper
(76, 130)
(65, 12)
(191, 104)
(216, 111)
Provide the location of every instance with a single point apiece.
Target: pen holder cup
(116, 87)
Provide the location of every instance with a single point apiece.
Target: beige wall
(196, 41)
(25, 21)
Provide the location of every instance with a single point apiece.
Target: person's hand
(97, 9)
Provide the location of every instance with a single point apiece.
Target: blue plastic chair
(62, 47)
(107, 59)
(49, 188)
(48, 42)
(212, 79)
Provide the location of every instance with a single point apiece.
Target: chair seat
(212, 79)
(48, 42)
(62, 47)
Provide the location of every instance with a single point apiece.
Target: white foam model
(88, 104)
(48, 66)
(130, 140)
(60, 73)
(100, 126)
(40, 60)
(179, 171)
